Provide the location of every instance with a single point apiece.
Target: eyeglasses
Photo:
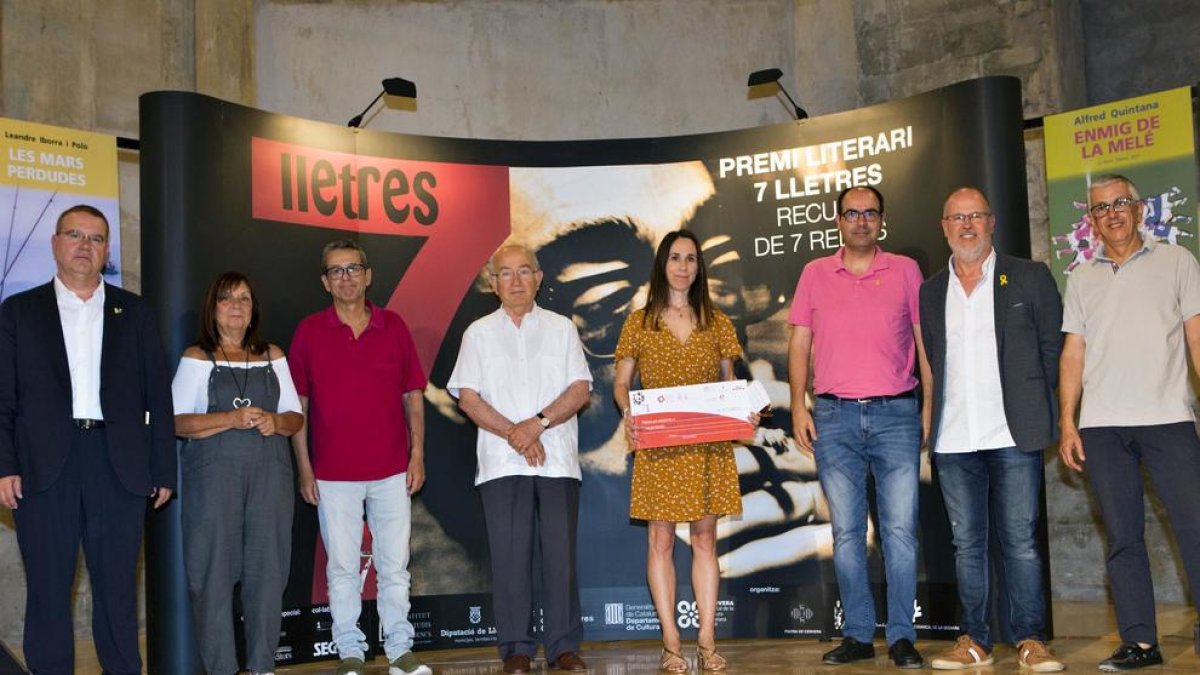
(353, 270)
(976, 217)
(869, 215)
(1119, 204)
(78, 237)
(235, 299)
(506, 275)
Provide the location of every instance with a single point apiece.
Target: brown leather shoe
(516, 664)
(570, 661)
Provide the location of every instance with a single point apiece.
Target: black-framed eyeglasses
(869, 215)
(78, 237)
(1104, 208)
(976, 217)
(354, 270)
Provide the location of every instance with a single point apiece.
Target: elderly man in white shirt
(521, 376)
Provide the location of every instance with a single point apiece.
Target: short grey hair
(491, 263)
(1105, 179)
(342, 245)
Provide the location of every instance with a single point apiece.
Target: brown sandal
(708, 658)
(672, 661)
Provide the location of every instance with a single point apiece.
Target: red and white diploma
(697, 413)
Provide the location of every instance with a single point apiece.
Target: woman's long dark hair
(660, 290)
(208, 337)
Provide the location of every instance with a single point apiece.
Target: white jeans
(340, 511)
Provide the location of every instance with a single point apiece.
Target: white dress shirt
(83, 334)
(973, 400)
(520, 371)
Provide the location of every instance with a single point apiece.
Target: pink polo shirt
(862, 326)
(355, 390)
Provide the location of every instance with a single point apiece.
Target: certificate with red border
(697, 413)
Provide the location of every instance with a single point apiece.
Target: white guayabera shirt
(520, 371)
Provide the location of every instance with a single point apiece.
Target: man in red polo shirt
(361, 385)
(855, 317)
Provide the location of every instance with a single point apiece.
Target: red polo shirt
(355, 390)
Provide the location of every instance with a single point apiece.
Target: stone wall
(547, 69)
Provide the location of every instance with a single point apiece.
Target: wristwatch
(544, 420)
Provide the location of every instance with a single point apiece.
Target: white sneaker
(408, 664)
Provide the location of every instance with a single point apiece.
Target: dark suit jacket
(1028, 342)
(35, 392)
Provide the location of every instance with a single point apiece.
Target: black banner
(229, 187)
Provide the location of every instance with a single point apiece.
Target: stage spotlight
(392, 86)
(761, 77)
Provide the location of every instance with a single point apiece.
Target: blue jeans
(884, 438)
(340, 512)
(1000, 487)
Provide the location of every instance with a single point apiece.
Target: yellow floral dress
(686, 482)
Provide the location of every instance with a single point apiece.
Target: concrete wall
(1140, 47)
(546, 69)
(527, 70)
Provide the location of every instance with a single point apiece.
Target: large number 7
(470, 220)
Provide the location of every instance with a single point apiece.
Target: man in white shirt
(990, 323)
(521, 376)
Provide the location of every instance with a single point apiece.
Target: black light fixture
(392, 86)
(772, 75)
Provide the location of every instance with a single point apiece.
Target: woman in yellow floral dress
(679, 338)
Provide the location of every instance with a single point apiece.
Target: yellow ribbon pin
(1003, 279)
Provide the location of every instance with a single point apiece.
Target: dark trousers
(514, 507)
(1171, 455)
(86, 502)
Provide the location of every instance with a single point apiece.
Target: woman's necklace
(239, 401)
(681, 311)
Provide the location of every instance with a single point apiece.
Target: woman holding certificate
(680, 338)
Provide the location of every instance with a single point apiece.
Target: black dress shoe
(1129, 656)
(905, 655)
(850, 650)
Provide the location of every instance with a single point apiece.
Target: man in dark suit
(86, 438)
(991, 325)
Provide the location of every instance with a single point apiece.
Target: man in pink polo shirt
(855, 318)
(361, 386)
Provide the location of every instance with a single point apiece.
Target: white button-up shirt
(83, 333)
(519, 371)
(973, 400)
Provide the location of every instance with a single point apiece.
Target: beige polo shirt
(1135, 369)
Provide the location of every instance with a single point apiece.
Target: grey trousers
(514, 508)
(237, 528)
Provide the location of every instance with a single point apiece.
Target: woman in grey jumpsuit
(235, 405)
